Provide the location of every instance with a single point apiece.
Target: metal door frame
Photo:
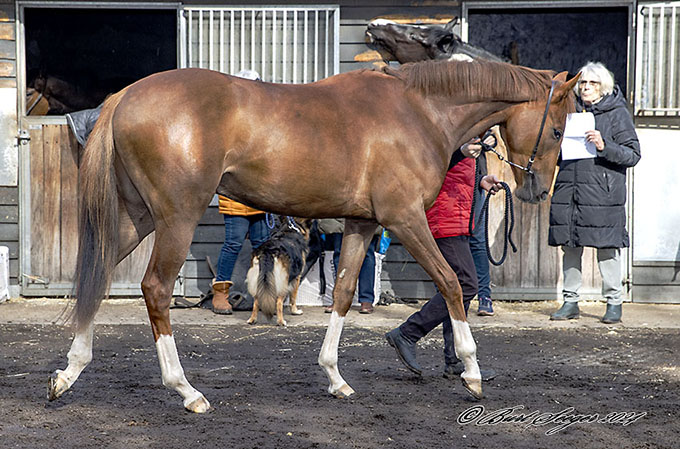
(33, 286)
(630, 75)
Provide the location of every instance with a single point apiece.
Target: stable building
(84, 50)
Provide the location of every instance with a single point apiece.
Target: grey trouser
(609, 262)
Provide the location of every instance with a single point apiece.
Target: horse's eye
(557, 133)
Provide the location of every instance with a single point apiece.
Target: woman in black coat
(588, 204)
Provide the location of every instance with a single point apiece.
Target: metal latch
(24, 137)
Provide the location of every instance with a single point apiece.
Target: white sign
(574, 145)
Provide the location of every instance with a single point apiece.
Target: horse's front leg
(354, 245)
(416, 237)
(170, 248)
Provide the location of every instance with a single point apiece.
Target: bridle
(509, 218)
(492, 147)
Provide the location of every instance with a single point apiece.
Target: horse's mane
(483, 80)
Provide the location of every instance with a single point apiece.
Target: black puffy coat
(588, 204)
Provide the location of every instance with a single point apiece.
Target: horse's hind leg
(415, 235)
(79, 356)
(355, 242)
(134, 225)
(170, 249)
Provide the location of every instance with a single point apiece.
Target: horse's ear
(452, 23)
(562, 76)
(563, 90)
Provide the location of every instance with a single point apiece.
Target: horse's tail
(98, 239)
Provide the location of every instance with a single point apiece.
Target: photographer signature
(478, 416)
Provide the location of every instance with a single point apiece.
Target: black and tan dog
(276, 269)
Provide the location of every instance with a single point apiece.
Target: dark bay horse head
(412, 43)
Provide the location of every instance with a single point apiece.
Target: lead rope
(509, 219)
(509, 214)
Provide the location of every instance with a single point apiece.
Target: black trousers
(456, 251)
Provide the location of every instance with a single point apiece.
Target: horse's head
(520, 132)
(413, 43)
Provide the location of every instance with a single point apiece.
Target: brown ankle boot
(220, 302)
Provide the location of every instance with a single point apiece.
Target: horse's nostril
(544, 195)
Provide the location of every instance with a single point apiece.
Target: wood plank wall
(54, 160)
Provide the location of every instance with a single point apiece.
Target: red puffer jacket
(450, 214)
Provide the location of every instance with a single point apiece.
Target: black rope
(509, 219)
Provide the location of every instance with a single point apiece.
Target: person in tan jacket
(240, 222)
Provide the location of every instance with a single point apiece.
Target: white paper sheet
(574, 145)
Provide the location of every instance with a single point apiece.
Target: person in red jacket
(448, 219)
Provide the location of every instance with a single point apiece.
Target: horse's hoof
(296, 312)
(344, 392)
(198, 405)
(56, 386)
(474, 387)
(251, 321)
(281, 323)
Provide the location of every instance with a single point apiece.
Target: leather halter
(527, 169)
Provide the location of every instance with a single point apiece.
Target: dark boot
(220, 302)
(406, 350)
(568, 311)
(454, 370)
(612, 315)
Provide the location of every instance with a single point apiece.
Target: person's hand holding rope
(473, 147)
(491, 184)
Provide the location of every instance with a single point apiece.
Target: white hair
(598, 71)
(249, 75)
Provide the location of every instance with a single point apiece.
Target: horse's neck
(465, 121)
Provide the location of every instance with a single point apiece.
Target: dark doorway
(76, 57)
(555, 38)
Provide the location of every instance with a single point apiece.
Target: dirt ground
(267, 390)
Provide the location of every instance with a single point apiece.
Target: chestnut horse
(371, 146)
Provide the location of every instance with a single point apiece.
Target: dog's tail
(267, 279)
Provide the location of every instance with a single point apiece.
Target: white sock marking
(466, 349)
(79, 356)
(328, 357)
(171, 369)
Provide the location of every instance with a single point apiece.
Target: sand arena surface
(267, 390)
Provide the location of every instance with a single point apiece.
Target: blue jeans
(236, 228)
(478, 248)
(367, 273)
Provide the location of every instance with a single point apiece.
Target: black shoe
(406, 350)
(453, 371)
(612, 315)
(568, 311)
